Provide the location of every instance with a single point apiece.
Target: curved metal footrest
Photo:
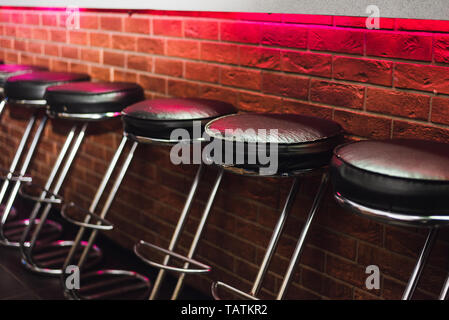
(111, 284)
(27, 192)
(51, 230)
(14, 176)
(202, 268)
(102, 224)
(49, 258)
(216, 285)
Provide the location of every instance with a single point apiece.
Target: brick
(9, 31)
(201, 29)
(246, 32)
(257, 57)
(407, 129)
(100, 40)
(125, 76)
(152, 83)
(139, 62)
(440, 110)
(410, 105)
(360, 22)
(182, 88)
(150, 45)
(35, 47)
(39, 34)
(347, 271)
(111, 23)
(59, 65)
(89, 21)
(307, 19)
(423, 25)
(51, 49)
(399, 45)
(285, 85)
(202, 71)
(19, 45)
(219, 52)
(183, 48)
(337, 94)
(363, 70)
(167, 27)
(50, 19)
(299, 107)
(242, 78)
(256, 102)
(284, 35)
(441, 48)
(363, 125)
(78, 37)
(336, 40)
(137, 25)
(91, 55)
(120, 42)
(58, 35)
(219, 93)
(100, 73)
(23, 32)
(168, 67)
(70, 52)
(79, 67)
(307, 63)
(421, 77)
(26, 58)
(114, 58)
(17, 18)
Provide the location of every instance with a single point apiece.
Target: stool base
(49, 258)
(51, 230)
(111, 284)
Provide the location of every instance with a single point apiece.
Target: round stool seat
(32, 86)
(405, 176)
(9, 70)
(157, 118)
(86, 98)
(303, 142)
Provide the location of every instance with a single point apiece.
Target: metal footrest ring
(102, 224)
(49, 197)
(51, 231)
(111, 284)
(202, 268)
(216, 285)
(49, 258)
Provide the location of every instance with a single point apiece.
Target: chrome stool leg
(139, 282)
(178, 229)
(15, 190)
(2, 106)
(417, 271)
(302, 238)
(445, 290)
(55, 248)
(198, 232)
(268, 253)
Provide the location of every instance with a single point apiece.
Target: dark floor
(17, 283)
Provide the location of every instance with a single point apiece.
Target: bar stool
(150, 121)
(301, 145)
(27, 90)
(10, 70)
(400, 182)
(82, 102)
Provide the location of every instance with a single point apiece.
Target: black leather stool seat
(303, 142)
(32, 86)
(9, 70)
(92, 97)
(157, 118)
(405, 176)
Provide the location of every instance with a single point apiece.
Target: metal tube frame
(26, 249)
(23, 169)
(403, 219)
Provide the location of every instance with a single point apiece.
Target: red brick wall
(386, 83)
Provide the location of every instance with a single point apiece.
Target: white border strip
(416, 9)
